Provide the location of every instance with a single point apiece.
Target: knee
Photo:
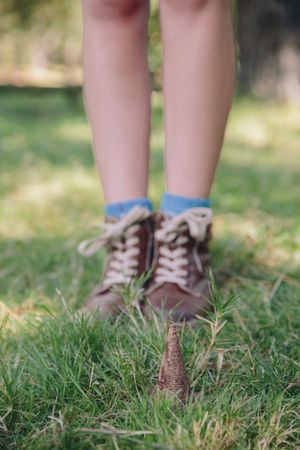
(111, 9)
(192, 5)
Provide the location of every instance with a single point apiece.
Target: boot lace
(172, 260)
(120, 239)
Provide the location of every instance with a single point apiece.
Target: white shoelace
(172, 262)
(121, 237)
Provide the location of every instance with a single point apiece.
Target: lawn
(69, 383)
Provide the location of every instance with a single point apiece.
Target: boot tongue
(113, 230)
(195, 219)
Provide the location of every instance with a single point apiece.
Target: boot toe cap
(172, 300)
(104, 304)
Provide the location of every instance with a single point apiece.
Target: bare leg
(117, 93)
(199, 78)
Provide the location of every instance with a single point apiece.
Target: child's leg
(199, 73)
(117, 93)
(199, 78)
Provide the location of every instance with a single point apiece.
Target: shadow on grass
(41, 127)
(272, 190)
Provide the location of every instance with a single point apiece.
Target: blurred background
(41, 44)
(49, 188)
(50, 200)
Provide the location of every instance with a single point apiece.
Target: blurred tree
(269, 47)
(40, 34)
(46, 34)
(24, 10)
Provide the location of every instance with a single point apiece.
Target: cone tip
(172, 329)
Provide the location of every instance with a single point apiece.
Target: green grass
(68, 383)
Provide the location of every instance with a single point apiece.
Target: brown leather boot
(180, 285)
(129, 245)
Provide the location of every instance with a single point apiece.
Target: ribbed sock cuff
(118, 209)
(177, 204)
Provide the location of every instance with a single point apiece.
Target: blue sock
(118, 209)
(176, 204)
